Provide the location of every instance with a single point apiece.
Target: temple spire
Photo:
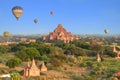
(33, 62)
(28, 64)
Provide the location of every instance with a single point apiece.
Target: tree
(12, 63)
(44, 49)
(57, 58)
(81, 43)
(15, 76)
(3, 50)
(28, 53)
(44, 58)
(75, 51)
(96, 48)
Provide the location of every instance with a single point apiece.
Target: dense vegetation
(77, 53)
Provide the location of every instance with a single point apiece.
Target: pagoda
(60, 33)
(31, 70)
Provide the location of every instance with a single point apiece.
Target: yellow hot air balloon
(6, 34)
(17, 11)
(35, 21)
(106, 31)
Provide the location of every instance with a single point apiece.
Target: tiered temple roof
(61, 34)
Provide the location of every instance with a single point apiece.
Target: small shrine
(43, 67)
(116, 51)
(31, 70)
(98, 58)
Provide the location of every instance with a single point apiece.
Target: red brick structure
(60, 34)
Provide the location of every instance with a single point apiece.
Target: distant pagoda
(60, 34)
(116, 51)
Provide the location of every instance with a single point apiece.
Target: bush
(72, 59)
(44, 58)
(83, 64)
(27, 54)
(79, 59)
(15, 76)
(111, 54)
(57, 60)
(77, 77)
(12, 63)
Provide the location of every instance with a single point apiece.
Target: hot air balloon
(106, 31)
(17, 11)
(6, 34)
(51, 12)
(35, 21)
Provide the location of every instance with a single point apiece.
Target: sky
(76, 16)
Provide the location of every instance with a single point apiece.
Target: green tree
(3, 49)
(75, 51)
(81, 43)
(44, 58)
(57, 58)
(12, 63)
(15, 76)
(28, 53)
(17, 47)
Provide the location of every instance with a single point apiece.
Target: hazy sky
(76, 16)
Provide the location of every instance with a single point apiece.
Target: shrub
(15, 76)
(77, 78)
(12, 63)
(72, 59)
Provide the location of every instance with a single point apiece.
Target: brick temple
(60, 33)
(31, 70)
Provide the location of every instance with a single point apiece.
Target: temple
(60, 34)
(116, 51)
(43, 67)
(31, 70)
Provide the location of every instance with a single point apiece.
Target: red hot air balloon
(51, 12)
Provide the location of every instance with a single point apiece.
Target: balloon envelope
(35, 20)
(6, 34)
(106, 30)
(17, 11)
(51, 12)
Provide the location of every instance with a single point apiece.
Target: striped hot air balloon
(17, 11)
